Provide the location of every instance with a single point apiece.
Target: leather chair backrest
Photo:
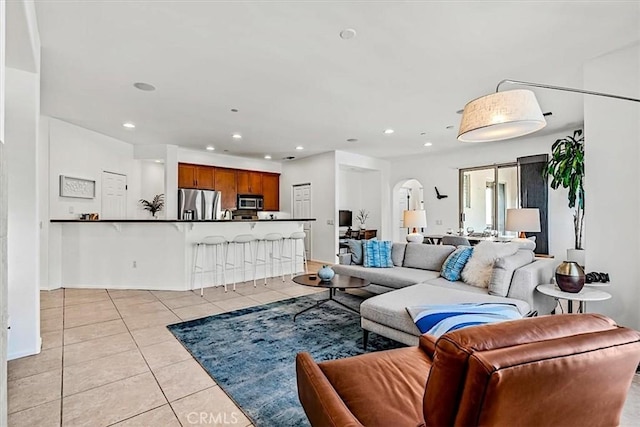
(562, 370)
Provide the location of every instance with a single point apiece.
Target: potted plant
(362, 216)
(566, 168)
(153, 206)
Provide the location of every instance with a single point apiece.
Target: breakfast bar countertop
(180, 220)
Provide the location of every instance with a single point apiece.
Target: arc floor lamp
(510, 114)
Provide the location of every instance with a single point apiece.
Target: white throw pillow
(479, 268)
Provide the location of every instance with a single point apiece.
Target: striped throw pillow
(453, 265)
(377, 253)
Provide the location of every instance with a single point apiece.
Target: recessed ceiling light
(128, 125)
(347, 33)
(210, 147)
(236, 136)
(428, 144)
(144, 86)
(234, 110)
(352, 140)
(388, 131)
(450, 127)
(299, 147)
(268, 157)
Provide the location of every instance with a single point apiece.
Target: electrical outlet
(135, 264)
(70, 209)
(438, 222)
(329, 222)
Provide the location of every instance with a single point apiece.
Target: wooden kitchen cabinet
(186, 176)
(205, 177)
(271, 191)
(225, 181)
(249, 182)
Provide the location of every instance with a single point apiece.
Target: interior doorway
(302, 209)
(114, 196)
(407, 195)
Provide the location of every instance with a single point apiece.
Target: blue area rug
(251, 352)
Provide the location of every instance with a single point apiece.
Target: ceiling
(295, 82)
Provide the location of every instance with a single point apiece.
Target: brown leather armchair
(569, 370)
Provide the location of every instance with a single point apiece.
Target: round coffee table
(339, 281)
(586, 294)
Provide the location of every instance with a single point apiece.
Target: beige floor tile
(88, 317)
(267, 297)
(236, 303)
(45, 415)
(126, 293)
(153, 335)
(82, 292)
(35, 390)
(184, 301)
(165, 353)
(51, 313)
(112, 402)
(88, 307)
(165, 295)
(162, 416)
(218, 293)
(95, 373)
(51, 325)
(134, 300)
(93, 331)
(51, 302)
(51, 339)
(97, 348)
(140, 309)
(197, 311)
(183, 378)
(53, 293)
(47, 360)
(247, 289)
(85, 299)
(151, 319)
(213, 405)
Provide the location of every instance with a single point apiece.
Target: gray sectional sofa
(415, 280)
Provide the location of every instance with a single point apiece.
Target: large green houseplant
(566, 168)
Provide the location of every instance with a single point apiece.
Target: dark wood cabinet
(187, 176)
(249, 182)
(205, 177)
(225, 181)
(196, 176)
(271, 191)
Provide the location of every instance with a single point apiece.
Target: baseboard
(11, 356)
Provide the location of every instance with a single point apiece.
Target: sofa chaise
(415, 280)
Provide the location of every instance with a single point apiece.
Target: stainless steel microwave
(250, 201)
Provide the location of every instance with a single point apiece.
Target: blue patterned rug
(251, 352)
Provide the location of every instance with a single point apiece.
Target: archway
(408, 194)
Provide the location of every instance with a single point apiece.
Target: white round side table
(586, 294)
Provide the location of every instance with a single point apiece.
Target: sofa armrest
(526, 278)
(428, 344)
(345, 258)
(320, 401)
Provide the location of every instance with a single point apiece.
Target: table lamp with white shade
(415, 219)
(523, 220)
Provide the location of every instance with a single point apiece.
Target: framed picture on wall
(77, 187)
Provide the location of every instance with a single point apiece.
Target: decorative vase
(570, 277)
(326, 273)
(363, 227)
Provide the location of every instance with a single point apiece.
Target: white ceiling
(296, 82)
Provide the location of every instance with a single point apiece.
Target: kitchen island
(146, 254)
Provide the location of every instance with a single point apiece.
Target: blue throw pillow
(439, 319)
(377, 253)
(453, 265)
(355, 247)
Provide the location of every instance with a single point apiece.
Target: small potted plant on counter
(362, 217)
(153, 206)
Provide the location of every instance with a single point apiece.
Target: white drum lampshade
(414, 220)
(501, 115)
(521, 220)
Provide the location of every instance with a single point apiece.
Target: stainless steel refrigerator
(199, 205)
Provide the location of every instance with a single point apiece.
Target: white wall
(151, 184)
(22, 116)
(320, 172)
(4, 308)
(201, 157)
(82, 153)
(441, 170)
(612, 182)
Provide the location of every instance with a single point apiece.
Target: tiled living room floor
(107, 358)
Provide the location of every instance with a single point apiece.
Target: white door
(114, 196)
(302, 209)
